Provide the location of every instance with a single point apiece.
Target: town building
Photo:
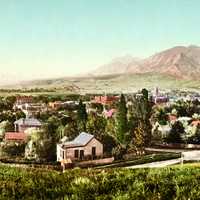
(55, 105)
(84, 146)
(26, 105)
(23, 100)
(159, 98)
(23, 124)
(15, 137)
(105, 100)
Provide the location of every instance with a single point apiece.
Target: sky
(52, 38)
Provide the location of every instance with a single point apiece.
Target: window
(63, 155)
(93, 152)
(81, 154)
(76, 152)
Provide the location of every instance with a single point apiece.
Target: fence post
(182, 159)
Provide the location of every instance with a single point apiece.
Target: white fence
(190, 156)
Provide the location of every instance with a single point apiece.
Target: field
(110, 84)
(121, 184)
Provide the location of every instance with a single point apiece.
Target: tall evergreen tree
(145, 94)
(121, 120)
(81, 116)
(143, 111)
(146, 105)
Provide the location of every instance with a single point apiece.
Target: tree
(50, 128)
(161, 116)
(145, 94)
(147, 105)
(195, 139)
(119, 151)
(109, 143)
(39, 147)
(13, 149)
(71, 130)
(5, 126)
(175, 135)
(9, 101)
(81, 116)
(121, 120)
(143, 113)
(19, 114)
(96, 125)
(138, 140)
(51, 136)
(156, 135)
(110, 127)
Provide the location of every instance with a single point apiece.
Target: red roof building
(24, 99)
(15, 136)
(105, 99)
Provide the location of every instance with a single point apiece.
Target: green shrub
(121, 184)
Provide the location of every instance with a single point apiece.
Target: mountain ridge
(182, 62)
(175, 68)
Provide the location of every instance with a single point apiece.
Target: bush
(13, 149)
(118, 152)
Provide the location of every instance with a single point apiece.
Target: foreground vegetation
(166, 183)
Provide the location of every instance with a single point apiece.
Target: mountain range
(174, 68)
(180, 62)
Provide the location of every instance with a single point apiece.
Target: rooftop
(15, 136)
(80, 140)
(28, 122)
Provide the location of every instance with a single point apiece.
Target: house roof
(15, 136)
(28, 122)
(81, 140)
(195, 123)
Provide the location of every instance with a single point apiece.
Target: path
(157, 164)
(168, 150)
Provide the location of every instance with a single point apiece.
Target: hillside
(181, 62)
(117, 66)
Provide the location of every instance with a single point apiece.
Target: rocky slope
(181, 62)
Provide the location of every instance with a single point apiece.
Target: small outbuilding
(85, 146)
